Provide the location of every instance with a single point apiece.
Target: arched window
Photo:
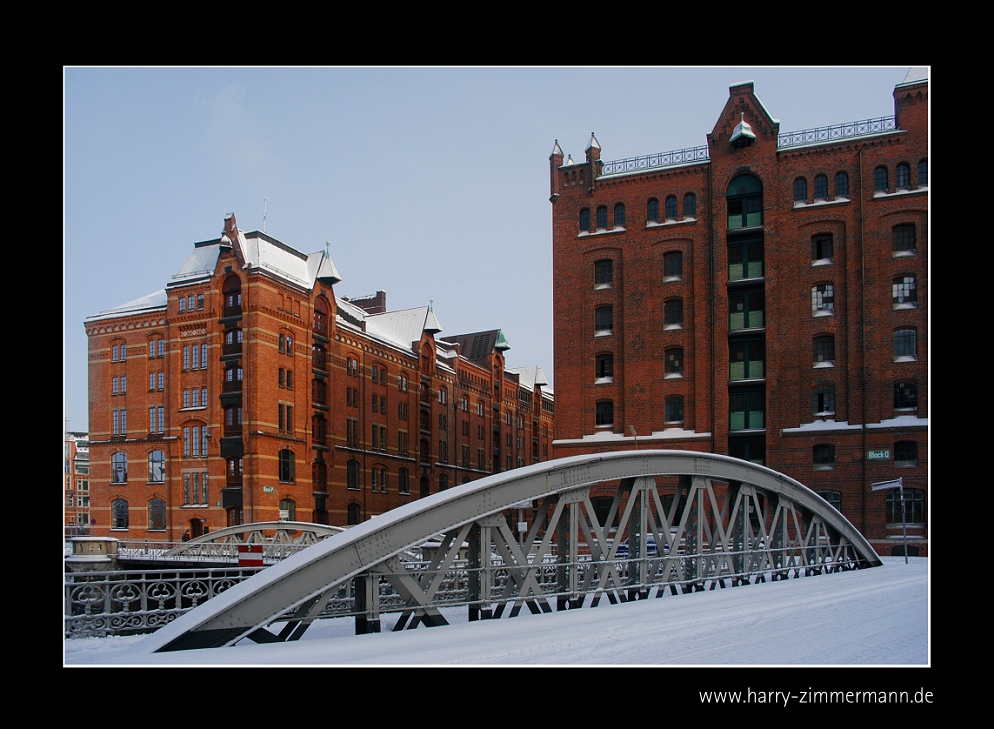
(604, 414)
(673, 266)
(832, 497)
(842, 184)
(824, 351)
(880, 180)
(823, 401)
(353, 515)
(690, 205)
(905, 345)
(119, 468)
(603, 273)
(903, 176)
(673, 314)
(674, 362)
(321, 317)
(903, 292)
(156, 467)
(903, 239)
(744, 197)
(800, 190)
(671, 207)
(652, 210)
(352, 475)
(119, 514)
(403, 481)
(619, 215)
(287, 466)
(604, 367)
(232, 292)
(823, 456)
(821, 187)
(905, 396)
(602, 217)
(603, 320)
(673, 409)
(923, 173)
(156, 514)
(288, 510)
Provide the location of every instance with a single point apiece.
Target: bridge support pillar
(367, 597)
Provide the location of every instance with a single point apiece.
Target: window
(842, 184)
(674, 362)
(652, 211)
(195, 365)
(673, 409)
(746, 309)
(354, 514)
(585, 220)
(905, 453)
(671, 207)
(673, 266)
(151, 382)
(746, 410)
(903, 292)
(604, 415)
(905, 345)
(673, 314)
(287, 470)
(186, 358)
(823, 401)
(602, 217)
(402, 383)
(824, 351)
(903, 239)
(182, 304)
(822, 300)
(923, 173)
(822, 248)
(834, 498)
(443, 482)
(403, 481)
(443, 396)
(604, 367)
(903, 175)
(352, 475)
(603, 320)
(823, 456)
(689, 205)
(821, 187)
(603, 273)
(619, 215)
(120, 422)
(119, 514)
(288, 510)
(880, 179)
(157, 514)
(160, 381)
(156, 467)
(119, 468)
(914, 506)
(745, 260)
(746, 359)
(800, 190)
(905, 396)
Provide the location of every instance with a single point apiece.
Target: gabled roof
(479, 345)
(149, 302)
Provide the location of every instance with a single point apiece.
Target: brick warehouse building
(765, 296)
(246, 391)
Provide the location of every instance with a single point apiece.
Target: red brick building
(765, 296)
(246, 391)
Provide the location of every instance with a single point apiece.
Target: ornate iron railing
(838, 131)
(660, 159)
(99, 604)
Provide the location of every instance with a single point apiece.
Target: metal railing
(838, 131)
(660, 159)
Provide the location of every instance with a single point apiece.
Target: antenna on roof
(263, 215)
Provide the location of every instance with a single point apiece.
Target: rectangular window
(196, 441)
(186, 357)
(186, 398)
(196, 357)
(151, 381)
(161, 381)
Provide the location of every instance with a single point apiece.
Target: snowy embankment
(876, 616)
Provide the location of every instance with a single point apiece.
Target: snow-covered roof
(149, 302)
(528, 377)
(401, 327)
(915, 74)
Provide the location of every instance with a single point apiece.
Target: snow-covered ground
(870, 617)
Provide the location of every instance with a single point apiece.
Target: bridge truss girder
(714, 521)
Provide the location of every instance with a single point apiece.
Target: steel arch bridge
(677, 521)
(277, 539)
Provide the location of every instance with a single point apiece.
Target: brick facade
(765, 297)
(247, 392)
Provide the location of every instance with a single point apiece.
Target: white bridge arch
(712, 521)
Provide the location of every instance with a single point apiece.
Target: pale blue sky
(429, 183)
